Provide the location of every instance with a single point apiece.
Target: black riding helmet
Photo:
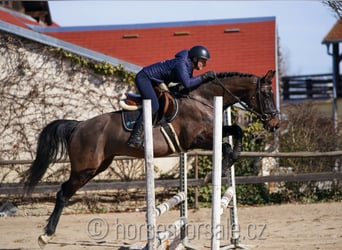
(199, 52)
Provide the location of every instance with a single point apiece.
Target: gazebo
(332, 40)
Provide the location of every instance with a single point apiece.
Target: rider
(176, 70)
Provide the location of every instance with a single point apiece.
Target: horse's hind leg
(68, 189)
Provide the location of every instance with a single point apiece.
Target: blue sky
(301, 25)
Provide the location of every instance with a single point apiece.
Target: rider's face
(201, 63)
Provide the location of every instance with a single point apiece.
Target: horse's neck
(234, 88)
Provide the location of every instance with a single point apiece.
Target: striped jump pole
(172, 202)
(176, 238)
(226, 198)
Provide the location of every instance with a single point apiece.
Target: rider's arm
(185, 78)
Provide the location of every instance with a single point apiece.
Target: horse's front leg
(230, 155)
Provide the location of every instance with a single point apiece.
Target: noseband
(263, 95)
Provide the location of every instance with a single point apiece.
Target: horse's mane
(183, 92)
(233, 74)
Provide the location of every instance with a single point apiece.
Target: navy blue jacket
(177, 70)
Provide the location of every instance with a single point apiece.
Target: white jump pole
(170, 203)
(149, 172)
(230, 195)
(231, 182)
(161, 240)
(216, 174)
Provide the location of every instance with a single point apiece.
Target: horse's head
(262, 102)
(252, 92)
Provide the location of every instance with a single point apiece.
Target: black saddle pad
(129, 118)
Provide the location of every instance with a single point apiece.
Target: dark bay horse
(92, 144)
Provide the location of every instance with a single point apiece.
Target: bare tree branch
(336, 7)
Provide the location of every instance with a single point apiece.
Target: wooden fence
(308, 87)
(15, 188)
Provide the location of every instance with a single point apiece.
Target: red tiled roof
(234, 46)
(10, 18)
(335, 34)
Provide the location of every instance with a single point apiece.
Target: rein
(200, 101)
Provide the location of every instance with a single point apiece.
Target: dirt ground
(291, 226)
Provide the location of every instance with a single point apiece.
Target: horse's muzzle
(272, 122)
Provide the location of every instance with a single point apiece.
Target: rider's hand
(208, 76)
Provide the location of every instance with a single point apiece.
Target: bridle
(268, 111)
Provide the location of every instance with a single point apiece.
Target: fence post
(286, 89)
(309, 88)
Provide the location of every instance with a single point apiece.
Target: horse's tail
(52, 146)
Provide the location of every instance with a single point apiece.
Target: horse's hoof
(43, 240)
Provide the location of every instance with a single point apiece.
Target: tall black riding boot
(136, 140)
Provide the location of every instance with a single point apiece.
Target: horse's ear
(269, 75)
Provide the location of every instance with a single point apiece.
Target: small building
(332, 40)
(38, 10)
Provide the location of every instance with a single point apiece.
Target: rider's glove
(208, 76)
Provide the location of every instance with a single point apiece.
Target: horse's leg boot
(136, 139)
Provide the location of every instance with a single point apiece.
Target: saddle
(168, 104)
(132, 110)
